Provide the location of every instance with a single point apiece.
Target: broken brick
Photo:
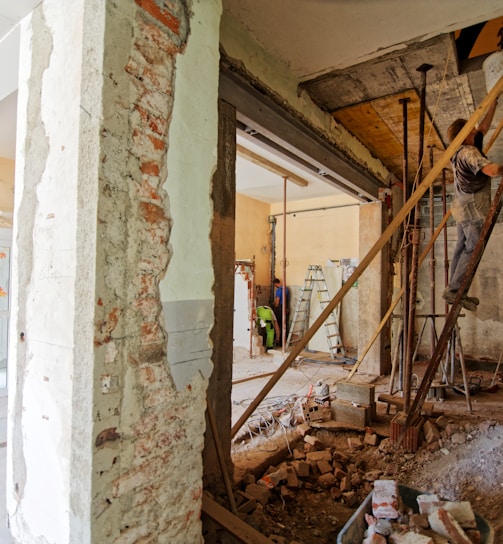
(462, 512)
(345, 484)
(428, 503)
(323, 455)
(340, 474)
(291, 478)
(324, 466)
(445, 525)
(371, 439)
(304, 429)
(313, 441)
(385, 499)
(326, 481)
(258, 492)
(301, 468)
(431, 432)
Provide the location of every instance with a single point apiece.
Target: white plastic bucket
(493, 69)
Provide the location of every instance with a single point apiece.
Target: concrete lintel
(289, 136)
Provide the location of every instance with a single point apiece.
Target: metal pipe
(405, 248)
(415, 244)
(446, 253)
(283, 300)
(432, 262)
(315, 209)
(272, 222)
(251, 304)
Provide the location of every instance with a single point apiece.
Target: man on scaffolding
(472, 185)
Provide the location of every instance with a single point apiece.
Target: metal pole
(283, 302)
(432, 262)
(415, 254)
(272, 222)
(446, 253)
(251, 303)
(405, 248)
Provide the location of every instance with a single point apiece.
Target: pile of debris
(438, 521)
(313, 467)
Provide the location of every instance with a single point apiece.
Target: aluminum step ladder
(315, 279)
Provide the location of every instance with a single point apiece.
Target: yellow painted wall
(328, 231)
(7, 168)
(318, 230)
(253, 236)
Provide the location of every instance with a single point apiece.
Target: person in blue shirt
(281, 296)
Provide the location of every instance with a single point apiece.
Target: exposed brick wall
(147, 481)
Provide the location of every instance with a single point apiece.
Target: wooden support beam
(392, 306)
(231, 523)
(221, 458)
(495, 134)
(376, 248)
(268, 165)
(254, 377)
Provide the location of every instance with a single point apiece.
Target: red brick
(152, 213)
(385, 499)
(164, 16)
(157, 143)
(323, 455)
(150, 168)
(258, 492)
(150, 332)
(445, 525)
(324, 466)
(326, 481)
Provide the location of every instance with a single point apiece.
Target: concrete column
(373, 291)
(103, 447)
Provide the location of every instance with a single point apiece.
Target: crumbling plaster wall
(44, 289)
(186, 291)
(103, 447)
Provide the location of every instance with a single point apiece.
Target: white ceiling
(261, 184)
(320, 37)
(315, 37)
(312, 37)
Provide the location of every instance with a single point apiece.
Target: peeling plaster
(26, 204)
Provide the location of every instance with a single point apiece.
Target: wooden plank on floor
(236, 527)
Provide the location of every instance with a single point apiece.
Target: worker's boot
(468, 303)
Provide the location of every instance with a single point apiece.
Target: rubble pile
(312, 467)
(309, 493)
(438, 521)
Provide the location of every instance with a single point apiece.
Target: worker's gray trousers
(468, 236)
